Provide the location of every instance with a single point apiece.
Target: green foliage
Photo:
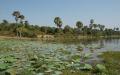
(111, 61)
(6, 62)
(23, 28)
(9, 59)
(86, 67)
(87, 55)
(11, 71)
(3, 66)
(58, 21)
(79, 24)
(35, 58)
(26, 72)
(75, 57)
(100, 68)
(57, 73)
(80, 48)
(68, 30)
(27, 30)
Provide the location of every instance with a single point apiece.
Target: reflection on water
(107, 44)
(101, 46)
(104, 44)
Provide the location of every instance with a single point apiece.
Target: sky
(43, 12)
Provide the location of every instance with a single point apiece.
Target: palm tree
(58, 22)
(22, 17)
(79, 24)
(91, 23)
(95, 26)
(101, 27)
(26, 23)
(117, 29)
(16, 14)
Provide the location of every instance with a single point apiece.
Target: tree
(44, 29)
(5, 22)
(22, 27)
(85, 30)
(58, 22)
(101, 27)
(117, 29)
(16, 14)
(4, 25)
(22, 17)
(67, 29)
(91, 23)
(79, 25)
(95, 26)
(26, 23)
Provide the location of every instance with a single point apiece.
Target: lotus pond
(23, 57)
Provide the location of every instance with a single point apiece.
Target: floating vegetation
(80, 48)
(43, 59)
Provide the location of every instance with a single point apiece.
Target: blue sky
(42, 12)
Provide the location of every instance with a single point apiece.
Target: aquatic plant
(39, 58)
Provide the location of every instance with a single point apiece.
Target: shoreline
(67, 38)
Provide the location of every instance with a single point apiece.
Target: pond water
(100, 46)
(107, 44)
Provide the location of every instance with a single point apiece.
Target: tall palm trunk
(20, 34)
(17, 30)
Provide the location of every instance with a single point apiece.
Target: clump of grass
(68, 72)
(112, 62)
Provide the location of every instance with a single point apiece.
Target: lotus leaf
(100, 67)
(86, 67)
(3, 66)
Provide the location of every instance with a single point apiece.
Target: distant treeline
(27, 30)
(22, 28)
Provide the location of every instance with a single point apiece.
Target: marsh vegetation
(22, 57)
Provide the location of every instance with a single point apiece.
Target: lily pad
(100, 67)
(86, 67)
(3, 66)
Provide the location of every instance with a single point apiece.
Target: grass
(112, 62)
(67, 72)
